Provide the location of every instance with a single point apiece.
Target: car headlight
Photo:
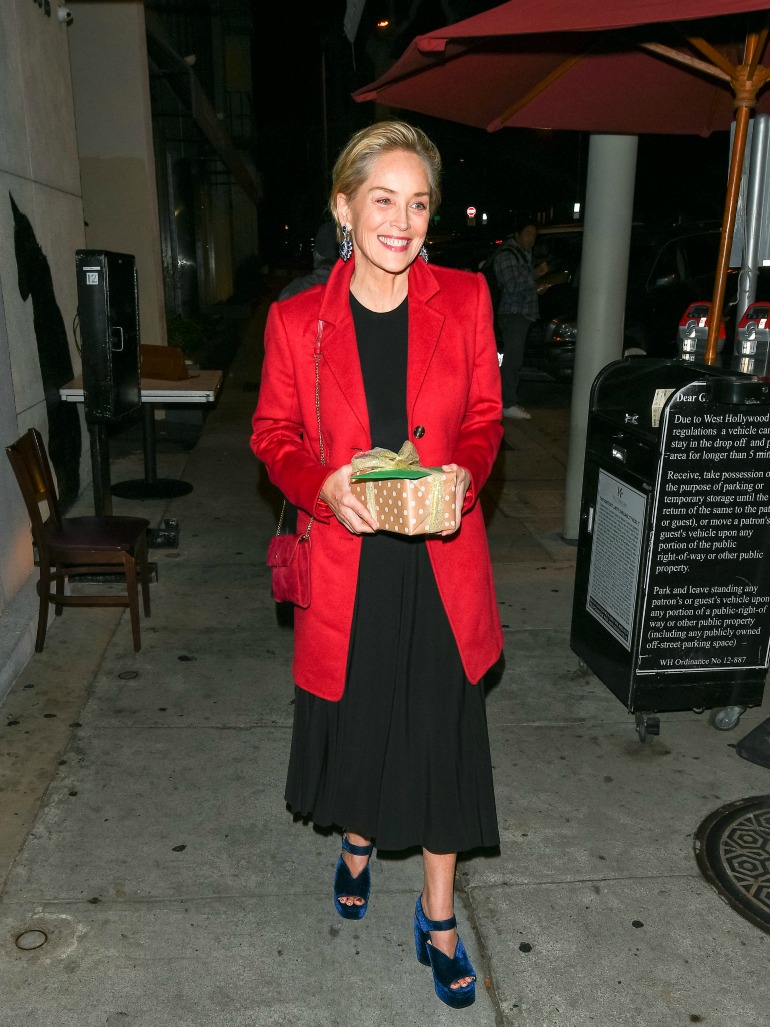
(560, 332)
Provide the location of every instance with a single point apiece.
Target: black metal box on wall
(108, 315)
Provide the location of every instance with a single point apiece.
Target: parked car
(670, 267)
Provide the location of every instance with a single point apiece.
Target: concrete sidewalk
(143, 829)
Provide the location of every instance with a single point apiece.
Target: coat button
(419, 431)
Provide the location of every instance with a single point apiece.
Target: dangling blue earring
(424, 254)
(346, 246)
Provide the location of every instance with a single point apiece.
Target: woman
(390, 739)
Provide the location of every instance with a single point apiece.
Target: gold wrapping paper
(404, 497)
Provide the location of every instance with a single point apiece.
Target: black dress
(403, 757)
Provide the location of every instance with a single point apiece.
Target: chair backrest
(30, 464)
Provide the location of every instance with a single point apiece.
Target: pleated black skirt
(403, 757)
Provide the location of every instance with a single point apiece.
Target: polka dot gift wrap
(404, 497)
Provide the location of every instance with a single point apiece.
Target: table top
(200, 387)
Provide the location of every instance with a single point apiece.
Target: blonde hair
(354, 164)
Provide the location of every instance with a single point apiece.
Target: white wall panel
(14, 145)
(47, 95)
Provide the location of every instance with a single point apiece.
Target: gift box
(403, 496)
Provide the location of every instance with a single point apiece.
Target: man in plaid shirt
(518, 308)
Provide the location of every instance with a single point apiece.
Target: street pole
(753, 212)
(746, 79)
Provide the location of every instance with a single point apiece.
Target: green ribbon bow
(378, 464)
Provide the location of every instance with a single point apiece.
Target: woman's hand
(463, 484)
(348, 510)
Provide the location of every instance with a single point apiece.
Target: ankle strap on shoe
(356, 850)
(441, 925)
(433, 925)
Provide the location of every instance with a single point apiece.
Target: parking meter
(752, 343)
(694, 332)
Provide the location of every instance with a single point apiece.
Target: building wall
(114, 135)
(76, 170)
(40, 174)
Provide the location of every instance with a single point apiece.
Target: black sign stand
(672, 589)
(100, 467)
(151, 486)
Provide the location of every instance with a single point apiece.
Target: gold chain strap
(317, 356)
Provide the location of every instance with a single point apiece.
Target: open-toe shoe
(346, 885)
(446, 970)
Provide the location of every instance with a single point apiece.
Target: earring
(424, 254)
(346, 246)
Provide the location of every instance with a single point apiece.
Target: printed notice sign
(613, 579)
(658, 402)
(707, 587)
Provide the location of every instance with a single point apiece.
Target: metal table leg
(151, 486)
(100, 468)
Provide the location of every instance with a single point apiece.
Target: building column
(110, 82)
(602, 293)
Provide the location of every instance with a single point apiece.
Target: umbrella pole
(742, 118)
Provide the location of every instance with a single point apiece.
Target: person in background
(390, 742)
(518, 308)
(325, 254)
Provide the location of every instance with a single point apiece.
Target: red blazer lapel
(425, 326)
(339, 350)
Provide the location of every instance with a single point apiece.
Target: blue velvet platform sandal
(357, 887)
(445, 970)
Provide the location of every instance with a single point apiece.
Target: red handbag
(288, 556)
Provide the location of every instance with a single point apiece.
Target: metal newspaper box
(672, 589)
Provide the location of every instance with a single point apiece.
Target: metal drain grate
(732, 847)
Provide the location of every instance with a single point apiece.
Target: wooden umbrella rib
(679, 57)
(761, 43)
(543, 84)
(713, 55)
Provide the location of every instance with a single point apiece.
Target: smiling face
(388, 215)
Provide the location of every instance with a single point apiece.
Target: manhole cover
(31, 940)
(732, 847)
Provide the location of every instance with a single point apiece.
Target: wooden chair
(77, 545)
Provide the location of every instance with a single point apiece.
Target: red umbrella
(614, 66)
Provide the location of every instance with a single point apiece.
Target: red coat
(453, 392)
